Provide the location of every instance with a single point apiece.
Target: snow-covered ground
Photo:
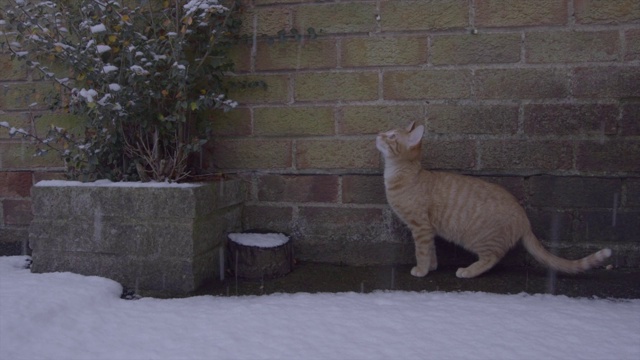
(69, 316)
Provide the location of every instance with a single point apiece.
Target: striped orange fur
(480, 216)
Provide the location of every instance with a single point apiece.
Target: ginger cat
(482, 217)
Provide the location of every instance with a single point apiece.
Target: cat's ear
(416, 135)
(411, 126)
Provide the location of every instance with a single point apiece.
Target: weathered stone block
(157, 240)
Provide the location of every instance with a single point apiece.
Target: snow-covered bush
(144, 78)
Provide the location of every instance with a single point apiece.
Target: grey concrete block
(157, 241)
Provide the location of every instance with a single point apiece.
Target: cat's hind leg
(484, 263)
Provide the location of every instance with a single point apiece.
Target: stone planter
(157, 239)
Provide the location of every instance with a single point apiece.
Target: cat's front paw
(418, 273)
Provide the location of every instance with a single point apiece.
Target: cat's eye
(392, 136)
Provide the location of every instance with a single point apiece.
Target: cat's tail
(535, 248)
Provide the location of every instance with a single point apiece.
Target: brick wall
(21, 104)
(542, 97)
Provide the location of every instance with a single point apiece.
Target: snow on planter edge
(269, 240)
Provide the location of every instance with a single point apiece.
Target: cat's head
(401, 143)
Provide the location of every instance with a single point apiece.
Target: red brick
(498, 13)
(513, 184)
(630, 121)
(349, 17)
(598, 226)
(293, 121)
(572, 46)
(606, 12)
(632, 195)
(609, 156)
(15, 184)
(336, 86)
(607, 82)
(277, 90)
(49, 175)
(423, 15)
(250, 154)
(269, 20)
(296, 55)
(475, 49)
(472, 119)
(427, 84)
(383, 51)
(337, 154)
(236, 122)
(264, 217)
(17, 212)
(552, 225)
(298, 188)
(515, 155)
(20, 155)
(572, 191)
(319, 223)
(12, 69)
(632, 41)
(521, 83)
(569, 119)
(368, 119)
(363, 189)
(449, 154)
